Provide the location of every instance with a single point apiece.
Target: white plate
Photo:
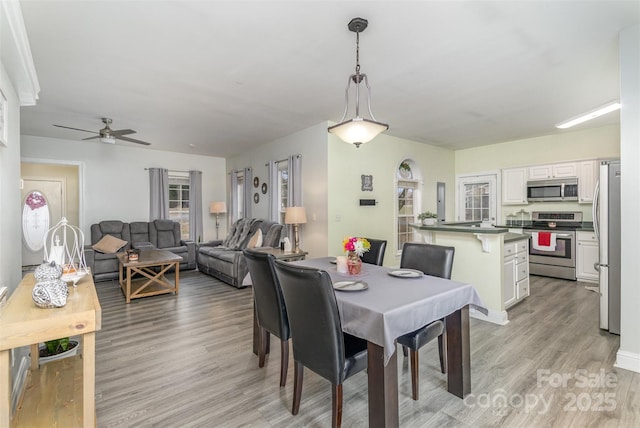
(350, 285)
(406, 273)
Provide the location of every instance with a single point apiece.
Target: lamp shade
(218, 207)
(358, 130)
(295, 215)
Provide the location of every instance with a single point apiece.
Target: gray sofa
(161, 234)
(223, 259)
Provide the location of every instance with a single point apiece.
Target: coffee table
(152, 283)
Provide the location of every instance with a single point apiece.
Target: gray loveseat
(160, 234)
(224, 259)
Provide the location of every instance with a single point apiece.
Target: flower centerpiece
(355, 248)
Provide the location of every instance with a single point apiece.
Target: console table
(24, 324)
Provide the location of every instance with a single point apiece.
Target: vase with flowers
(355, 248)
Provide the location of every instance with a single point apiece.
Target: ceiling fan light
(358, 131)
(108, 139)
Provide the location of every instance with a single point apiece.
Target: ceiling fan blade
(91, 138)
(76, 129)
(122, 132)
(132, 140)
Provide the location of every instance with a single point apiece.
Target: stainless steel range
(552, 247)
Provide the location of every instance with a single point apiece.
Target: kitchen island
(492, 259)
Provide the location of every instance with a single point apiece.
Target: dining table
(391, 303)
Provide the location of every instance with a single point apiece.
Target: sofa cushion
(242, 234)
(256, 240)
(139, 231)
(109, 244)
(164, 233)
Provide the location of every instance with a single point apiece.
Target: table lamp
(218, 208)
(295, 216)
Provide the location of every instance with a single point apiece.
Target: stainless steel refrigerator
(606, 221)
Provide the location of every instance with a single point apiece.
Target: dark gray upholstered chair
(316, 333)
(271, 312)
(375, 255)
(434, 260)
(105, 266)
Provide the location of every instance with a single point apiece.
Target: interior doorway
(49, 192)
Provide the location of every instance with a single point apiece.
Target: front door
(42, 208)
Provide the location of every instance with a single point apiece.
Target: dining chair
(434, 260)
(319, 343)
(375, 255)
(270, 309)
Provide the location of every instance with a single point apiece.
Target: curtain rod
(278, 161)
(169, 170)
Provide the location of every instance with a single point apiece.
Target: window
(179, 201)
(240, 195)
(408, 200)
(477, 201)
(283, 188)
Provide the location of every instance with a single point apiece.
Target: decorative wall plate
(264, 188)
(256, 182)
(256, 197)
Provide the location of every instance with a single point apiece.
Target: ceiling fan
(108, 135)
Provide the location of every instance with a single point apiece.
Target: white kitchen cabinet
(516, 272)
(587, 179)
(558, 170)
(514, 186)
(509, 281)
(587, 257)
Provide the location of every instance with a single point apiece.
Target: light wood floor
(186, 361)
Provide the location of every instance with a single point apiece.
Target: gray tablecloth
(393, 306)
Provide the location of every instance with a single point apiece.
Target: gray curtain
(274, 203)
(295, 181)
(233, 197)
(158, 193)
(246, 192)
(195, 206)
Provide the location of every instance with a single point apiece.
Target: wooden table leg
(177, 277)
(458, 353)
(89, 379)
(383, 388)
(5, 389)
(128, 284)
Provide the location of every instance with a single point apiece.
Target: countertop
(513, 237)
(462, 228)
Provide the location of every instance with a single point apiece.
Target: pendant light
(358, 130)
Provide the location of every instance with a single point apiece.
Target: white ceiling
(217, 78)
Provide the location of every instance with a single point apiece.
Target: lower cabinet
(587, 256)
(515, 283)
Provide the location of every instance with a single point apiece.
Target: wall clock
(256, 182)
(256, 198)
(264, 188)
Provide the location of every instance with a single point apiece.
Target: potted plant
(57, 349)
(405, 170)
(428, 218)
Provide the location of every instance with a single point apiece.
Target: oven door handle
(558, 235)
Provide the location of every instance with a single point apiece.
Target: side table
(279, 254)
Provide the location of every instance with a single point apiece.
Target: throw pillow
(256, 240)
(109, 244)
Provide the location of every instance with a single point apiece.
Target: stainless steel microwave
(559, 189)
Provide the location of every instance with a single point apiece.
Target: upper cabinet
(587, 179)
(514, 180)
(514, 186)
(558, 170)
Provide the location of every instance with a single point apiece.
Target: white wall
(595, 143)
(380, 158)
(311, 143)
(628, 356)
(10, 233)
(114, 182)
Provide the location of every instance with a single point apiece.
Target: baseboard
(628, 361)
(20, 383)
(494, 317)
